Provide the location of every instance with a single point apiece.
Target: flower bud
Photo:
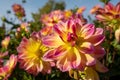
(117, 35)
(5, 42)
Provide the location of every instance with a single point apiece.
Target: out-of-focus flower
(108, 13)
(67, 14)
(19, 10)
(52, 18)
(22, 30)
(30, 53)
(74, 45)
(6, 70)
(49, 20)
(80, 10)
(5, 42)
(117, 35)
(89, 73)
(23, 26)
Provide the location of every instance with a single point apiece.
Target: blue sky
(32, 6)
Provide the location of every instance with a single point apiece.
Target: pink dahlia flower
(52, 18)
(108, 13)
(49, 20)
(30, 53)
(6, 70)
(74, 45)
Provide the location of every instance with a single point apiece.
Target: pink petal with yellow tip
(100, 17)
(96, 39)
(98, 31)
(87, 31)
(70, 60)
(90, 60)
(86, 48)
(52, 41)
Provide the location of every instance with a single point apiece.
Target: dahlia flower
(49, 20)
(6, 70)
(109, 12)
(74, 46)
(30, 53)
(52, 18)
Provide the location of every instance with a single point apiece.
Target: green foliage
(105, 1)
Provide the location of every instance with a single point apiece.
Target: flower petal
(118, 7)
(87, 31)
(63, 64)
(100, 67)
(99, 52)
(100, 17)
(90, 60)
(96, 39)
(86, 48)
(98, 31)
(52, 41)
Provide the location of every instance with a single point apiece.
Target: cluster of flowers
(6, 66)
(109, 16)
(66, 42)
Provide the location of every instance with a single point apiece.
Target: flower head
(7, 69)
(49, 20)
(5, 42)
(30, 53)
(108, 13)
(52, 18)
(74, 45)
(19, 10)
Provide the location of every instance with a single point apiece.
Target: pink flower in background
(5, 42)
(52, 18)
(108, 13)
(30, 53)
(6, 70)
(74, 45)
(49, 20)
